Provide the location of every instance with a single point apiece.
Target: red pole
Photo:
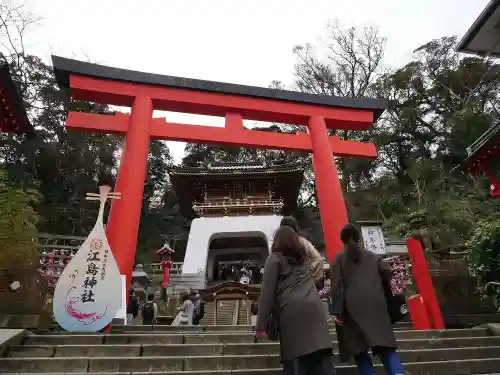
(125, 213)
(418, 313)
(328, 188)
(423, 280)
(166, 264)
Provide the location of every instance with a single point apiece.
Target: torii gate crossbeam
(145, 92)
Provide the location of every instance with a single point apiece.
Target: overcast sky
(245, 42)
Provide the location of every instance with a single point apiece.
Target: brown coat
(359, 298)
(315, 259)
(302, 322)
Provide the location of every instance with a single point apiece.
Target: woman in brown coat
(360, 306)
(289, 292)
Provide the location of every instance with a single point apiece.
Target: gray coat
(302, 322)
(359, 298)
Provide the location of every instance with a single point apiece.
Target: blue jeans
(389, 358)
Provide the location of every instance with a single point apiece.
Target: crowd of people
(190, 311)
(294, 290)
(243, 274)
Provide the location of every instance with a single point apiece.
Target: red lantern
(165, 254)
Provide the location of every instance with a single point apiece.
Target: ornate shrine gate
(145, 92)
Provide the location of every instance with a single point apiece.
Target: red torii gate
(145, 92)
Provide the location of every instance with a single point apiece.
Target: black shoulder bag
(272, 329)
(337, 300)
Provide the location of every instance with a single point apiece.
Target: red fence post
(423, 280)
(418, 313)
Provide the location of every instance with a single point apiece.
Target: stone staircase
(225, 350)
(242, 312)
(225, 313)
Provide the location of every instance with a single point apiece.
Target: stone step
(183, 350)
(211, 363)
(179, 329)
(207, 338)
(436, 368)
(161, 328)
(199, 328)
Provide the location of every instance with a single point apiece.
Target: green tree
(18, 222)
(484, 257)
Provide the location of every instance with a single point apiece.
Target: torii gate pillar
(328, 188)
(123, 224)
(145, 92)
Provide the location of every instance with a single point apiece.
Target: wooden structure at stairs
(231, 291)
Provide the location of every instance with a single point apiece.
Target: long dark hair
(290, 221)
(287, 242)
(351, 236)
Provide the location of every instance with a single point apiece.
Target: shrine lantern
(165, 254)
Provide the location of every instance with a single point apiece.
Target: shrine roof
(482, 147)
(188, 182)
(231, 168)
(482, 37)
(13, 117)
(230, 290)
(64, 68)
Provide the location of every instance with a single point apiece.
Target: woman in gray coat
(360, 306)
(288, 291)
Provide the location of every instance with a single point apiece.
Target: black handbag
(272, 331)
(397, 306)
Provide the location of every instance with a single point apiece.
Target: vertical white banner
(373, 238)
(122, 311)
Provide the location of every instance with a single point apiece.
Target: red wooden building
(482, 155)
(13, 117)
(483, 39)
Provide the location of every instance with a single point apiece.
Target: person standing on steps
(132, 307)
(360, 308)
(150, 311)
(185, 311)
(314, 257)
(289, 302)
(199, 308)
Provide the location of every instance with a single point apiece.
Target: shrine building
(236, 207)
(13, 117)
(483, 39)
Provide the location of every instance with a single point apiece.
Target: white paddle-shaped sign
(88, 292)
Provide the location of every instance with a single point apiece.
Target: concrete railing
(157, 269)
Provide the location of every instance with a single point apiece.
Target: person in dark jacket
(132, 307)
(199, 307)
(289, 292)
(360, 306)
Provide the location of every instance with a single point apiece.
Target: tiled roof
(222, 169)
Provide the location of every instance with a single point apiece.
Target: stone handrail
(157, 269)
(239, 203)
